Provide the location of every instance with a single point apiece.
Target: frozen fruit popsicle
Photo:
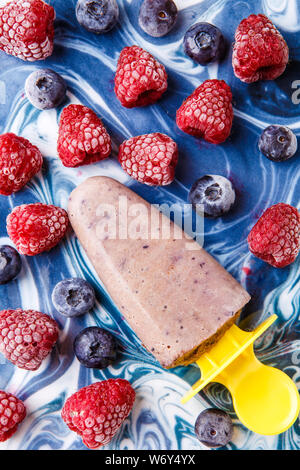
(178, 301)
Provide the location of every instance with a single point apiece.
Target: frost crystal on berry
(82, 137)
(35, 228)
(26, 29)
(259, 52)
(150, 158)
(207, 112)
(26, 337)
(140, 79)
(19, 162)
(12, 413)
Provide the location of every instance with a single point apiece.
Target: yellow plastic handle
(265, 399)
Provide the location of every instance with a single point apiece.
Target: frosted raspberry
(275, 238)
(82, 137)
(35, 228)
(26, 29)
(19, 162)
(150, 158)
(140, 79)
(12, 413)
(207, 112)
(96, 412)
(26, 337)
(259, 52)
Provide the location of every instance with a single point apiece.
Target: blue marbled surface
(88, 63)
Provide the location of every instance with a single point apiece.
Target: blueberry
(45, 89)
(215, 193)
(97, 16)
(157, 17)
(10, 263)
(278, 143)
(73, 297)
(95, 348)
(214, 428)
(204, 43)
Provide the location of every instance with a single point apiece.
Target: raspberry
(12, 413)
(26, 337)
(150, 158)
(275, 238)
(26, 29)
(82, 138)
(207, 112)
(259, 52)
(97, 16)
(19, 162)
(140, 79)
(97, 411)
(35, 228)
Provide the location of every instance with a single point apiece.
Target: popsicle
(176, 297)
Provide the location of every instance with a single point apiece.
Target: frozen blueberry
(45, 89)
(278, 143)
(204, 43)
(215, 193)
(10, 263)
(157, 17)
(73, 297)
(97, 16)
(214, 428)
(95, 348)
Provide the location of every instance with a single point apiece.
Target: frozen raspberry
(214, 193)
(35, 228)
(275, 238)
(204, 43)
(19, 162)
(259, 52)
(150, 158)
(157, 17)
(140, 79)
(95, 347)
(278, 143)
(73, 297)
(82, 138)
(207, 112)
(45, 89)
(12, 413)
(26, 337)
(96, 412)
(26, 29)
(214, 428)
(10, 263)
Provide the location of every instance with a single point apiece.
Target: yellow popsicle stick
(265, 399)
